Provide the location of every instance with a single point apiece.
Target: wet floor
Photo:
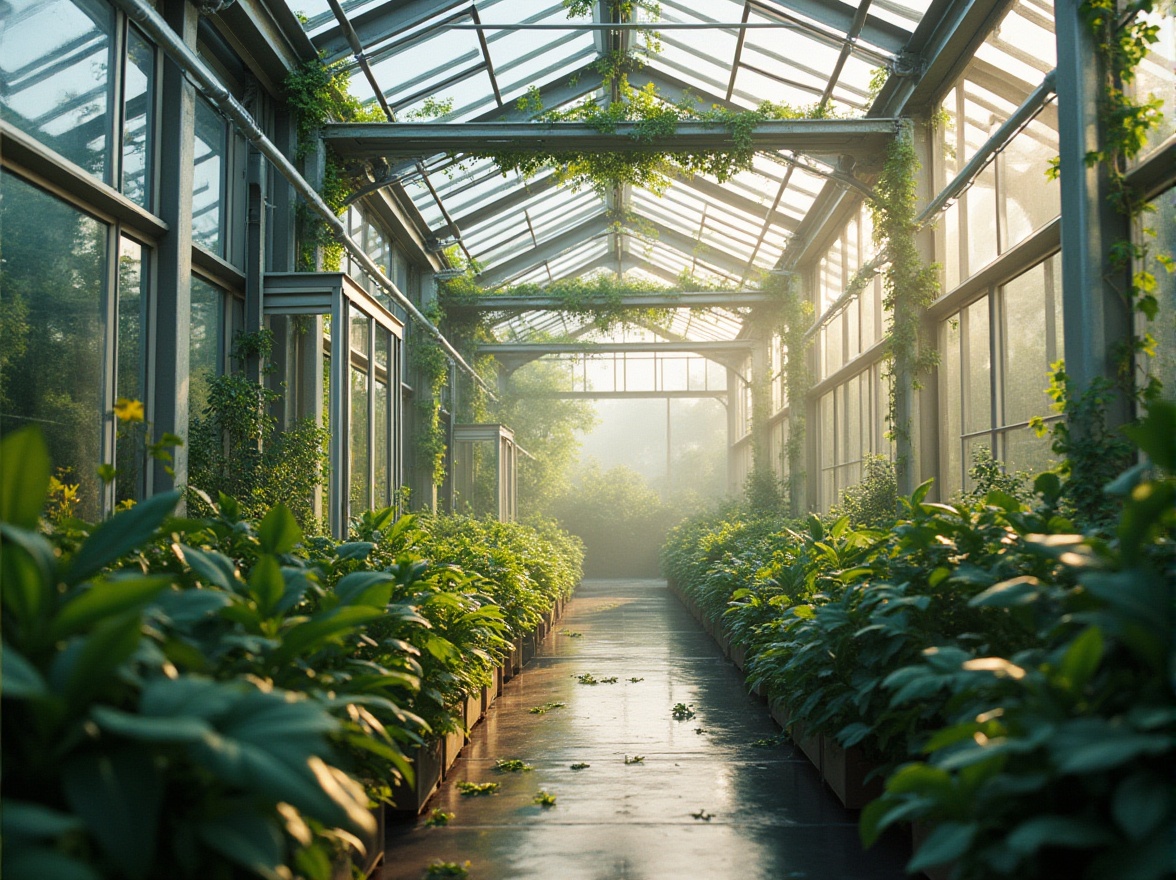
(703, 802)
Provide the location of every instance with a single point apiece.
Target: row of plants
(1008, 674)
(219, 696)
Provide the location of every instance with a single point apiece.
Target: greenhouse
(752, 452)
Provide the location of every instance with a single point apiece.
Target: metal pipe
(206, 81)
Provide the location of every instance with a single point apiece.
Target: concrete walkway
(704, 803)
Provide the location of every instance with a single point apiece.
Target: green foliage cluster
(620, 519)
(794, 315)
(221, 696)
(1123, 35)
(526, 568)
(642, 164)
(237, 450)
(430, 365)
(1009, 673)
(874, 501)
(318, 93)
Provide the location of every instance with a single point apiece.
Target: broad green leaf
(247, 839)
(355, 550)
(105, 598)
(19, 679)
(37, 821)
(41, 863)
(881, 813)
(148, 728)
(266, 584)
(185, 607)
(1156, 432)
(121, 534)
(306, 638)
(1008, 594)
(211, 567)
(921, 779)
(921, 491)
(189, 696)
(118, 794)
(278, 532)
(24, 477)
(948, 841)
(852, 734)
(371, 588)
(27, 572)
(1055, 831)
(1141, 802)
(1090, 745)
(86, 668)
(1082, 658)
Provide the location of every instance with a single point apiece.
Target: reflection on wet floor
(703, 802)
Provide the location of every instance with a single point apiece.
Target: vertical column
(255, 239)
(925, 424)
(1096, 319)
(173, 300)
(734, 396)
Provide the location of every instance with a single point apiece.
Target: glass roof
(476, 58)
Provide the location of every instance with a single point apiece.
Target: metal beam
(695, 248)
(699, 299)
(862, 138)
(381, 23)
(627, 395)
(706, 348)
(838, 17)
(547, 250)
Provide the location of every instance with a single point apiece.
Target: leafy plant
(873, 502)
(438, 818)
(682, 712)
(581, 766)
(544, 799)
(636, 759)
(477, 788)
(447, 869)
(702, 815)
(511, 765)
(545, 708)
(587, 678)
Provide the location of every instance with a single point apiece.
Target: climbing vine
(909, 284)
(655, 119)
(318, 92)
(794, 314)
(431, 365)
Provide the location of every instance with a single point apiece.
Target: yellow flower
(126, 410)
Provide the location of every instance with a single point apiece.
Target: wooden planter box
(451, 745)
(808, 743)
(472, 711)
(528, 649)
(513, 664)
(409, 800)
(738, 656)
(846, 770)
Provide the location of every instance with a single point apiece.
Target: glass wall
(74, 340)
(994, 372)
(60, 71)
(851, 422)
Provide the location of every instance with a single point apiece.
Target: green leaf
(278, 532)
(1090, 745)
(1055, 831)
(121, 534)
(187, 607)
(19, 679)
(247, 839)
(150, 729)
(118, 794)
(1154, 434)
(921, 492)
(1082, 658)
(86, 667)
(105, 598)
(28, 565)
(212, 567)
(189, 696)
(24, 477)
(1141, 802)
(355, 550)
(306, 638)
(36, 821)
(371, 588)
(40, 863)
(1008, 594)
(948, 841)
(266, 584)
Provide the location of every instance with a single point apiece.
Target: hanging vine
(794, 314)
(909, 284)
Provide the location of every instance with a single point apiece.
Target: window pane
(1031, 200)
(978, 369)
(139, 120)
(51, 322)
(55, 83)
(205, 343)
(1026, 362)
(380, 446)
(360, 495)
(132, 363)
(208, 179)
(949, 377)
